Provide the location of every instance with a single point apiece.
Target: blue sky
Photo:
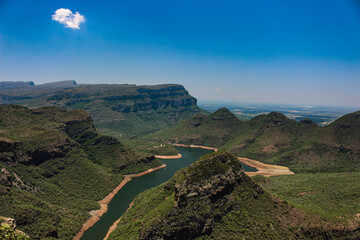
(295, 52)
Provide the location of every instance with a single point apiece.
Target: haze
(288, 52)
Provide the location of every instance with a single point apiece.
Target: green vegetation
(55, 166)
(304, 147)
(8, 230)
(155, 202)
(214, 199)
(9, 233)
(121, 110)
(325, 159)
(335, 196)
(139, 124)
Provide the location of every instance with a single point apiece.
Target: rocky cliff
(54, 166)
(201, 199)
(120, 109)
(214, 199)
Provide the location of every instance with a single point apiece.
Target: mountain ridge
(274, 139)
(122, 110)
(55, 166)
(214, 199)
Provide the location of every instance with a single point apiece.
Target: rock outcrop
(9, 231)
(129, 109)
(202, 197)
(54, 167)
(214, 199)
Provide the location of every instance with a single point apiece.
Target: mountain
(14, 85)
(55, 166)
(213, 130)
(215, 199)
(123, 110)
(273, 138)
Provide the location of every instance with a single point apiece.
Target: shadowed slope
(123, 110)
(273, 139)
(214, 199)
(55, 166)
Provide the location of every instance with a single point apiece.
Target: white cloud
(219, 90)
(66, 17)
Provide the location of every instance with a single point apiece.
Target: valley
(122, 110)
(56, 165)
(126, 195)
(180, 120)
(214, 199)
(320, 115)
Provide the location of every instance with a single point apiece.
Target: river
(121, 201)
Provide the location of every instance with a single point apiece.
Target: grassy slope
(164, 105)
(325, 159)
(59, 192)
(334, 196)
(246, 212)
(139, 124)
(209, 131)
(272, 138)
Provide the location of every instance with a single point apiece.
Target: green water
(120, 203)
(248, 168)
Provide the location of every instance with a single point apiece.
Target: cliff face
(214, 199)
(54, 166)
(31, 137)
(153, 99)
(13, 85)
(203, 197)
(120, 109)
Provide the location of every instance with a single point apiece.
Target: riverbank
(195, 146)
(114, 226)
(168, 156)
(266, 170)
(96, 214)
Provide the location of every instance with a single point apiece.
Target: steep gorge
(215, 199)
(55, 166)
(123, 110)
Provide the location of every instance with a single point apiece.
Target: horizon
(282, 52)
(220, 102)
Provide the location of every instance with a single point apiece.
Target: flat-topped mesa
(56, 85)
(123, 108)
(13, 85)
(152, 98)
